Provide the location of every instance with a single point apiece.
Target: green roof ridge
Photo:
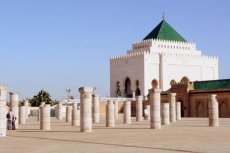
(165, 32)
(212, 84)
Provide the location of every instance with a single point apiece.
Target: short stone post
(127, 112)
(68, 114)
(45, 117)
(155, 101)
(178, 111)
(76, 114)
(3, 111)
(26, 103)
(139, 108)
(39, 111)
(133, 95)
(96, 109)
(165, 114)
(86, 109)
(172, 106)
(116, 109)
(22, 115)
(59, 111)
(110, 118)
(14, 99)
(147, 112)
(213, 111)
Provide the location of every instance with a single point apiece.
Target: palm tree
(42, 96)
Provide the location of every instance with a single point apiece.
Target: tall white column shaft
(127, 112)
(165, 114)
(96, 109)
(3, 110)
(139, 108)
(68, 114)
(14, 99)
(59, 111)
(22, 115)
(76, 114)
(155, 116)
(110, 118)
(116, 109)
(86, 109)
(213, 111)
(45, 117)
(172, 106)
(178, 111)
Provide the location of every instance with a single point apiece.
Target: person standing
(9, 116)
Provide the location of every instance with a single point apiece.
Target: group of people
(11, 120)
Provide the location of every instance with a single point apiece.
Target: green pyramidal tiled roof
(213, 84)
(164, 31)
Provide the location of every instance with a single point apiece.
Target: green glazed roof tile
(164, 31)
(225, 83)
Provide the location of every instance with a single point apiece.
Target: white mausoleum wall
(163, 61)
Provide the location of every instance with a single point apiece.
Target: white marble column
(3, 111)
(45, 117)
(172, 106)
(155, 101)
(59, 111)
(110, 117)
(165, 114)
(178, 111)
(22, 115)
(14, 99)
(26, 103)
(68, 114)
(116, 109)
(86, 109)
(76, 114)
(213, 111)
(96, 109)
(127, 112)
(39, 111)
(139, 108)
(147, 112)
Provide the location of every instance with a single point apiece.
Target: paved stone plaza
(186, 135)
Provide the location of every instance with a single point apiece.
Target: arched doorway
(137, 91)
(182, 107)
(128, 90)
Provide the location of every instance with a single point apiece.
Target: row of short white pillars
(213, 111)
(2, 111)
(110, 117)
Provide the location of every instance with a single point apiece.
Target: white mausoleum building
(161, 57)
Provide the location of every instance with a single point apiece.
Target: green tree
(42, 96)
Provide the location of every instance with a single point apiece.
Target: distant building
(160, 59)
(194, 96)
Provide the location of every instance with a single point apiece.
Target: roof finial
(163, 15)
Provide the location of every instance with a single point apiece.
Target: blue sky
(59, 44)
